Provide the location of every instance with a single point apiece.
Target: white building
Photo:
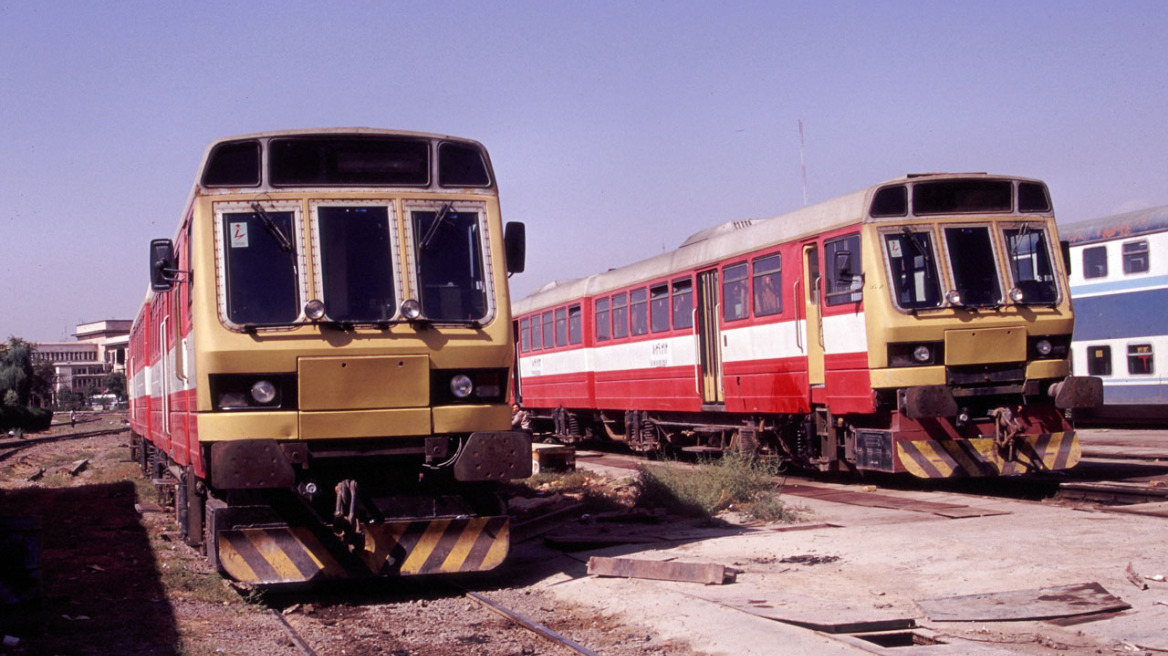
(100, 348)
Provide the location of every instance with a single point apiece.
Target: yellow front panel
(985, 346)
(906, 377)
(1048, 369)
(220, 426)
(364, 382)
(470, 418)
(365, 423)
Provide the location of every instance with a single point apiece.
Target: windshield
(262, 286)
(1030, 264)
(975, 274)
(448, 245)
(356, 261)
(913, 266)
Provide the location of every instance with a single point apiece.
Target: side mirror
(515, 243)
(1065, 246)
(843, 267)
(162, 265)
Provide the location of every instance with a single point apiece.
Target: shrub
(736, 483)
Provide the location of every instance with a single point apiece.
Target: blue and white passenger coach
(1119, 282)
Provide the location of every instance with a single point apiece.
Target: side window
(1135, 257)
(1139, 359)
(561, 326)
(683, 303)
(1099, 360)
(549, 332)
(601, 317)
(575, 328)
(638, 311)
(524, 335)
(734, 284)
(620, 315)
(536, 339)
(1095, 262)
(659, 308)
(768, 285)
(845, 280)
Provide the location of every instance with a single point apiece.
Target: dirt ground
(115, 578)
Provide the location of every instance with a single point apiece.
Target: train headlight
(263, 392)
(1043, 346)
(953, 297)
(411, 309)
(314, 309)
(1016, 295)
(461, 386)
(922, 354)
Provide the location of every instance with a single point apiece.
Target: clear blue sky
(616, 128)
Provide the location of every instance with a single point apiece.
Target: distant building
(100, 348)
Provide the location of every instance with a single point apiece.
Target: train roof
(380, 132)
(1117, 226)
(734, 238)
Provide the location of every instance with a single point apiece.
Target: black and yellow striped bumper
(281, 555)
(980, 457)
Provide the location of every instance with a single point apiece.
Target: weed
(734, 483)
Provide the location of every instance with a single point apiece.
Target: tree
(115, 383)
(44, 374)
(16, 371)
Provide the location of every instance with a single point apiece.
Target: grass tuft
(732, 483)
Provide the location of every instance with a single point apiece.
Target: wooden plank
(1017, 605)
(967, 511)
(829, 616)
(658, 570)
(1159, 509)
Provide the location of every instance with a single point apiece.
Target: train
(1119, 282)
(320, 370)
(919, 326)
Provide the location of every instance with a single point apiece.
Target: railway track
(304, 644)
(12, 446)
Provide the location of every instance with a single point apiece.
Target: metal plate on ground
(829, 616)
(1018, 605)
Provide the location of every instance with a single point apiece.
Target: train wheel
(143, 455)
(196, 509)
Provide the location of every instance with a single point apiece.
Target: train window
(734, 292)
(461, 165)
(356, 263)
(890, 201)
(962, 196)
(768, 285)
(1135, 257)
(846, 281)
(1099, 360)
(683, 303)
(349, 161)
(1095, 262)
(1032, 197)
(1029, 260)
(971, 256)
(620, 315)
(602, 319)
(234, 164)
(1139, 359)
(524, 335)
(638, 312)
(536, 334)
(575, 329)
(549, 332)
(262, 286)
(659, 308)
(561, 326)
(448, 245)
(913, 267)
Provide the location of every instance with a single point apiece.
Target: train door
(814, 325)
(709, 338)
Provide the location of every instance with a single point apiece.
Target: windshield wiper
(432, 231)
(273, 229)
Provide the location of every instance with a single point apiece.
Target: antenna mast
(802, 163)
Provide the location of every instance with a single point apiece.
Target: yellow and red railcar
(323, 359)
(921, 325)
